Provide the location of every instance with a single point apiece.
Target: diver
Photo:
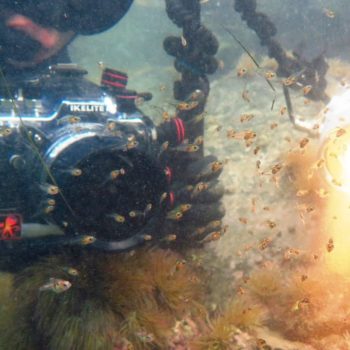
(76, 154)
(35, 34)
(155, 181)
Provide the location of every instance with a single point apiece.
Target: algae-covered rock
(115, 299)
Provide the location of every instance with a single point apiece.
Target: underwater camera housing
(76, 166)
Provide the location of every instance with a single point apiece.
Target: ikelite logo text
(90, 108)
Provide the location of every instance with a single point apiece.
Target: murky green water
(111, 216)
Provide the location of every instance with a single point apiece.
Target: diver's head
(31, 31)
(25, 43)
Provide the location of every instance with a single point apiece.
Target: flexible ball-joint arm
(313, 73)
(195, 211)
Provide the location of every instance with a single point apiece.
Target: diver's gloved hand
(194, 204)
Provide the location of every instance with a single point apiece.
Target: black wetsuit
(84, 17)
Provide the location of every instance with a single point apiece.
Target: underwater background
(279, 278)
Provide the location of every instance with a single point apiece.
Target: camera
(80, 164)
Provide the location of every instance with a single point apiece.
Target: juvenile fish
(71, 119)
(213, 236)
(174, 214)
(87, 240)
(114, 174)
(198, 188)
(187, 106)
(148, 208)
(55, 285)
(71, 271)
(241, 72)
(136, 214)
(118, 218)
(187, 147)
(131, 145)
